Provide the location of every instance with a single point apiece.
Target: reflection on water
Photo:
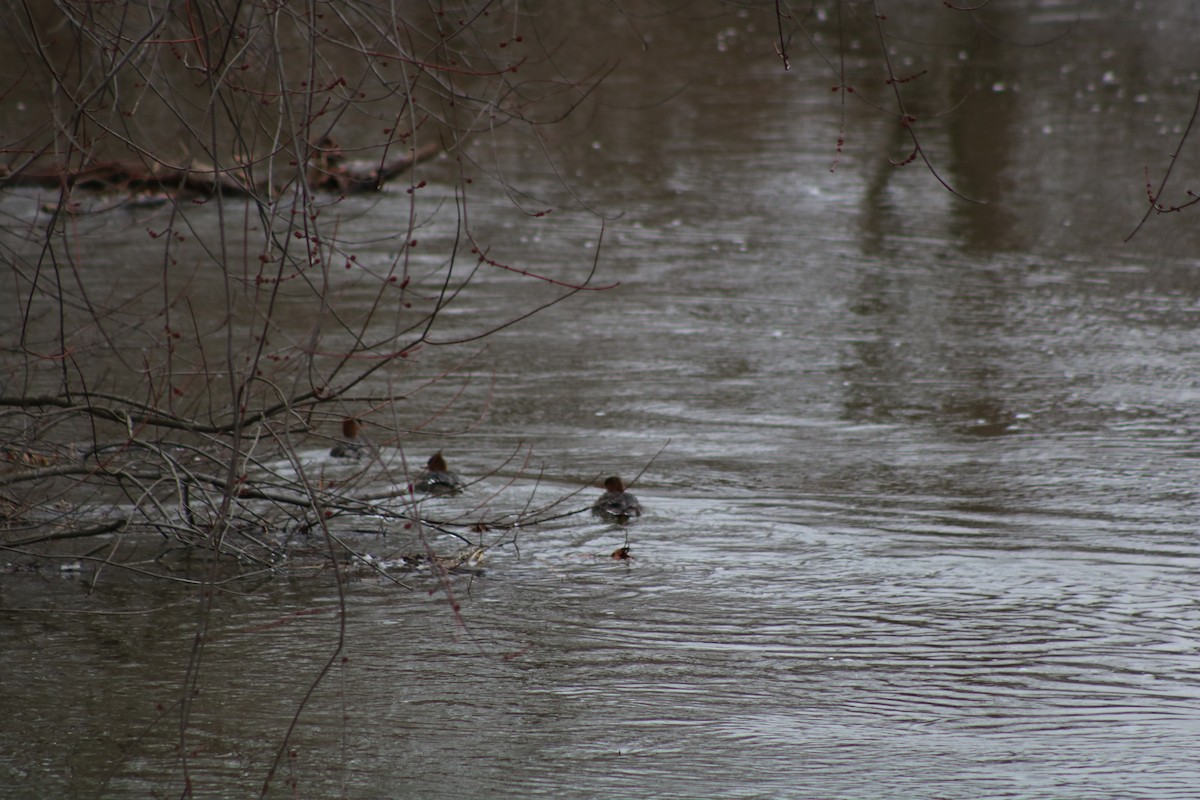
(925, 524)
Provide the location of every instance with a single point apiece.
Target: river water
(919, 474)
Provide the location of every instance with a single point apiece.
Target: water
(919, 479)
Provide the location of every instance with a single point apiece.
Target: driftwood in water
(330, 172)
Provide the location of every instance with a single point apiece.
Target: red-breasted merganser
(350, 446)
(437, 478)
(616, 504)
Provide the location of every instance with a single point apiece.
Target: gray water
(919, 476)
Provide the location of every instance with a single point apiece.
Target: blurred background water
(921, 487)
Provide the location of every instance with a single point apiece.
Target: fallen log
(329, 173)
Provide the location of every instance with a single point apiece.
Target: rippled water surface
(920, 481)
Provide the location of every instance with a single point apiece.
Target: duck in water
(350, 446)
(437, 478)
(616, 504)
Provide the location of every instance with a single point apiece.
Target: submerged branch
(99, 530)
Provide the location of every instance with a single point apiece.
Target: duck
(616, 504)
(350, 446)
(437, 478)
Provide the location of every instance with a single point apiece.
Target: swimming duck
(616, 504)
(350, 445)
(437, 478)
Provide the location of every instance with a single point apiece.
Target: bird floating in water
(616, 504)
(350, 446)
(437, 478)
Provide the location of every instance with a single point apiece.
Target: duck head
(614, 484)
